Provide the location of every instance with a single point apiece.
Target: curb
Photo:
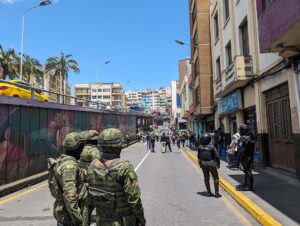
(260, 215)
(23, 183)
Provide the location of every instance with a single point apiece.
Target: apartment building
(53, 84)
(253, 83)
(278, 88)
(111, 94)
(175, 103)
(151, 100)
(203, 105)
(186, 93)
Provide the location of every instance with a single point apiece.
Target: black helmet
(205, 139)
(244, 130)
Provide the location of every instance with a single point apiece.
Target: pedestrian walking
(152, 141)
(148, 141)
(167, 142)
(113, 185)
(173, 137)
(209, 162)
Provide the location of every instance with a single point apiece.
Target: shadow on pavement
(203, 193)
(276, 191)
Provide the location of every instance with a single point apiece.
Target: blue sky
(137, 36)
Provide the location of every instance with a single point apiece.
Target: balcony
(219, 85)
(235, 76)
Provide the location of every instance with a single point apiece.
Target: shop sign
(230, 103)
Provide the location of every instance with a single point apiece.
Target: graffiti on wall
(30, 135)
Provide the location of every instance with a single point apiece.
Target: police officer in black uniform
(246, 148)
(209, 161)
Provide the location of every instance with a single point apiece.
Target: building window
(94, 97)
(106, 90)
(266, 4)
(194, 13)
(218, 68)
(228, 53)
(226, 10)
(244, 38)
(195, 38)
(197, 96)
(106, 97)
(216, 26)
(196, 67)
(94, 90)
(99, 90)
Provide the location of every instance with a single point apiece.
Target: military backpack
(53, 183)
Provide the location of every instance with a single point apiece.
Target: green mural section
(29, 135)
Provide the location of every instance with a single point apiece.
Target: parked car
(20, 89)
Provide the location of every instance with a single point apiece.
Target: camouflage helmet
(111, 138)
(72, 141)
(90, 135)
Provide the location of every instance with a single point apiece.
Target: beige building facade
(252, 86)
(110, 94)
(203, 106)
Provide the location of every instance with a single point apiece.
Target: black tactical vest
(205, 153)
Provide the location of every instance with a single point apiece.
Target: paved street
(173, 193)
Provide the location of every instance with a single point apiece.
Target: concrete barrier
(32, 131)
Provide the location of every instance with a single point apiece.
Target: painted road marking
(231, 207)
(138, 166)
(23, 193)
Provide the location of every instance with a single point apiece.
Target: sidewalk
(276, 194)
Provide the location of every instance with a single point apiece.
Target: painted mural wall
(29, 135)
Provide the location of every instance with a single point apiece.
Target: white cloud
(9, 1)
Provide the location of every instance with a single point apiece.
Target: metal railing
(71, 100)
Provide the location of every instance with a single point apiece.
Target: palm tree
(8, 63)
(61, 66)
(32, 69)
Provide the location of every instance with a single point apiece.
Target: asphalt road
(173, 193)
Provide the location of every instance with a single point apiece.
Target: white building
(175, 102)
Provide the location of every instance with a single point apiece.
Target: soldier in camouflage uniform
(113, 185)
(70, 183)
(89, 153)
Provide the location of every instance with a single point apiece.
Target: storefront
(230, 114)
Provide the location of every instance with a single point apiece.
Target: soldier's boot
(207, 185)
(216, 184)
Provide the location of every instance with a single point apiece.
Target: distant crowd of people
(209, 146)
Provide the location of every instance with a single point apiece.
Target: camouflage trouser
(60, 213)
(126, 221)
(86, 211)
(63, 218)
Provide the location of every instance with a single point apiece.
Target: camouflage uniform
(113, 185)
(89, 153)
(70, 177)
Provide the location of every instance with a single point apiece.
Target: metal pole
(22, 47)
(22, 40)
